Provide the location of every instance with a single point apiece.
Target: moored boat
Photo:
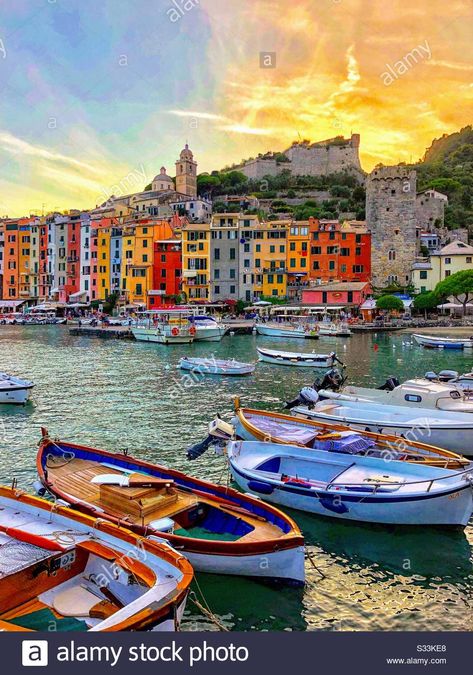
(340, 329)
(418, 393)
(263, 425)
(14, 389)
(302, 359)
(350, 487)
(213, 366)
(63, 568)
(164, 326)
(284, 330)
(441, 428)
(436, 342)
(207, 329)
(218, 529)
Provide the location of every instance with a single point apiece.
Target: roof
(456, 248)
(340, 286)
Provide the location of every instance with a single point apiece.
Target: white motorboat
(285, 330)
(463, 382)
(216, 366)
(436, 342)
(352, 487)
(444, 429)
(418, 393)
(14, 389)
(301, 359)
(207, 329)
(334, 329)
(164, 326)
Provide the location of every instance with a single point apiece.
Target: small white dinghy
(350, 487)
(14, 389)
(302, 359)
(436, 342)
(216, 366)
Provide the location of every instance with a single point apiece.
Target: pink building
(341, 294)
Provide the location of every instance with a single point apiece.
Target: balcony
(277, 270)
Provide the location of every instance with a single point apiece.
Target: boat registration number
(64, 560)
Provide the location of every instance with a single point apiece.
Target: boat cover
(284, 430)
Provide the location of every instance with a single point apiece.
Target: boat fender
(333, 504)
(259, 486)
(192, 330)
(175, 331)
(39, 488)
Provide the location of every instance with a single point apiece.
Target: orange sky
(400, 74)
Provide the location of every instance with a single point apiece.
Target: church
(168, 196)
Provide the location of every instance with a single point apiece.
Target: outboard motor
(333, 380)
(390, 384)
(447, 375)
(431, 376)
(219, 433)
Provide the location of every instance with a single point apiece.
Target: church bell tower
(186, 173)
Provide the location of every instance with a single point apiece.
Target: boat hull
(16, 396)
(273, 331)
(209, 334)
(298, 360)
(158, 336)
(209, 367)
(450, 509)
(433, 342)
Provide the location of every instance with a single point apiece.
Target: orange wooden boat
(65, 569)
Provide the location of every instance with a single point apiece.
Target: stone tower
(391, 217)
(186, 173)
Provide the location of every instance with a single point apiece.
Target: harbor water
(117, 394)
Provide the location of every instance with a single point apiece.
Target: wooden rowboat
(301, 359)
(64, 568)
(215, 366)
(262, 425)
(218, 529)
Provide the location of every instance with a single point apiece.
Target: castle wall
(391, 217)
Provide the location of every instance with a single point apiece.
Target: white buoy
(232, 332)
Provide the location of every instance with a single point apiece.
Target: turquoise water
(119, 394)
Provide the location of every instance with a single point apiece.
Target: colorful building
(339, 251)
(342, 295)
(196, 262)
(167, 273)
(452, 258)
(270, 252)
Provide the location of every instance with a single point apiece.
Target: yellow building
(270, 251)
(452, 258)
(24, 245)
(298, 257)
(103, 259)
(196, 262)
(34, 259)
(128, 248)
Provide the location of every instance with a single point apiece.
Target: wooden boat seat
(140, 502)
(74, 601)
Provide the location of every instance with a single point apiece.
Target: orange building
(339, 251)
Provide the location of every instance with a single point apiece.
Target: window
(343, 268)
(331, 250)
(292, 246)
(292, 262)
(216, 254)
(358, 238)
(275, 291)
(270, 278)
(315, 265)
(423, 274)
(331, 264)
(358, 269)
(217, 290)
(232, 273)
(282, 248)
(392, 254)
(345, 252)
(272, 249)
(324, 297)
(350, 296)
(280, 279)
(163, 274)
(145, 243)
(448, 261)
(139, 289)
(216, 274)
(447, 273)
(331, 235)
(468, 259)
(316, 250)
(315, 236)
(232, 290)
(232, 253)
(303, 262)
(246, 248)
(145, 258)
(246, 262)
(258, 248)
(257, 262)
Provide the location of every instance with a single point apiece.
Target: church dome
(186, 153)
(163, 177)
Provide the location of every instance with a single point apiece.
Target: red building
(342, 295)
(167, 272)
(339, 251)
(73, 255)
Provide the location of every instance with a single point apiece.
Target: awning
(11, 304)
(77, 295)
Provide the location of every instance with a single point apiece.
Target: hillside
(447, 166)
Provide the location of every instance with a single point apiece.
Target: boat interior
(73, 587)
(317, 437)
(169, 507)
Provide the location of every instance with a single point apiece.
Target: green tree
(390, 302)
(460, 285)
(425, 301)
